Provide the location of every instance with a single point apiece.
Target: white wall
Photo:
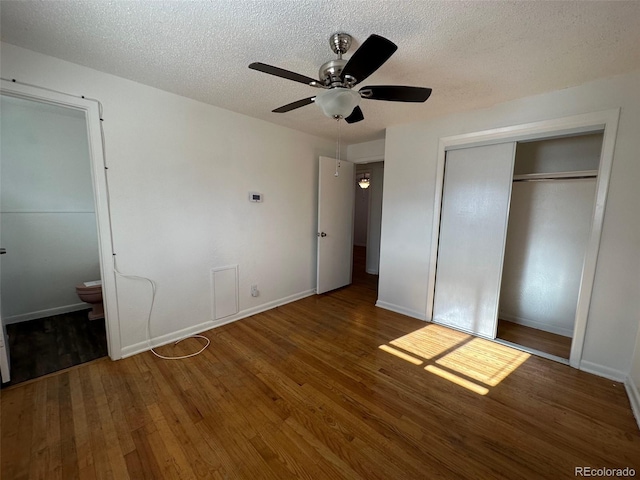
(366, 152)
(566, 154)
(48, 219)
(549, 225)
(179, 173)
(410, 172)
(376, 188)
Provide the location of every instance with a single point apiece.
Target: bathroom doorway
(48, 230)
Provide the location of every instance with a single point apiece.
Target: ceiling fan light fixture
(338, 102)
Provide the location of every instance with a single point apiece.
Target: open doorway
(55, 234)
(49, 233)
(367, 222)
(551, 209)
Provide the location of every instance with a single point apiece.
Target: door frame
(605, 121)
(93, 115)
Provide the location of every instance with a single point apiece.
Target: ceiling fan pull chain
(337, 147)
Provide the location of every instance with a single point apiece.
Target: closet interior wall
(551, 210)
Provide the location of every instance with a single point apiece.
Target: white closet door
(473, 228)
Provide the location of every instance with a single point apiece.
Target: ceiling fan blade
(294, 105)
(355, 116)
(369, 57)
(395, 93)
(280, 72)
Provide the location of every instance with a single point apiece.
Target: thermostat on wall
(255, 197)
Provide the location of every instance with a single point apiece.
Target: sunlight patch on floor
(485, 361)
(474, 387)
(430, 341)
(402, 355)
(470, 362)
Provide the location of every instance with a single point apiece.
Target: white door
(473, 231)
(336, 185)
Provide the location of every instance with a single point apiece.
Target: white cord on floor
(153, 300)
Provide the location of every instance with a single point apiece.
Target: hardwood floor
(306, 391)
(45, 345)
(537, 339)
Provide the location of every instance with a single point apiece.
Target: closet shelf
(555, 175)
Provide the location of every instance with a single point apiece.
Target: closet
(514, 224)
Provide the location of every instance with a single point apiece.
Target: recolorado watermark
(604, 472)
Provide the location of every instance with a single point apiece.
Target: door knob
(3, 251)
(322, 234)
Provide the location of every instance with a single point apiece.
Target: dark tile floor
(46, 345)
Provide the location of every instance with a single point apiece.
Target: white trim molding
(49, 312)
(634, 397)
(401, 310)
(93, 114)
(602, 371)
(606, 122)
(203, 327)
(545, 327)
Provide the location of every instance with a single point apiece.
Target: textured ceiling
(473, 54)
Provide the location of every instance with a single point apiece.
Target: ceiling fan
(338, 77)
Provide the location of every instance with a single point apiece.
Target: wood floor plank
(53, 429)
(304, 391)
(12, 421)
(202, 460)
(548, 342)
(39, 449)
(114, 397)
(145, 461)
(114, 450)
(68, 452)
(97, 441)
(81, 435)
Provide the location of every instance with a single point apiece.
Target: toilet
(91, 292)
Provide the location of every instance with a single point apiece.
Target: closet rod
(548, 179)
(537, 177)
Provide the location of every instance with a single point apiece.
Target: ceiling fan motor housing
(330, 72)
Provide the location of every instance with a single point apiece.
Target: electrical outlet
(254, 291)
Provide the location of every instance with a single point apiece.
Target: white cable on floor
(153, 300)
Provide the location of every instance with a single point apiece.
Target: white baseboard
(269, 305)
(140, 347)
(602, 371)
(202, 327)
(372, 271)
(402, 310)
(545, 327)
(634, 398)
(49, 312)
